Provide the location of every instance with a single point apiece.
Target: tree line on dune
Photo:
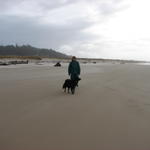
(27, 50)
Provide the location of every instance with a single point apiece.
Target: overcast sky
(84, 28)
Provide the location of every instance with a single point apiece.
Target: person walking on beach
(74, 69)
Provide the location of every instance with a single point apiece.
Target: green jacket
(74, 68)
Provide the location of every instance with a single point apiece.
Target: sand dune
(109, 111)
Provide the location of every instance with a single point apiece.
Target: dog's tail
(63, 87)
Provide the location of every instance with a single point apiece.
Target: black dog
(71, 84)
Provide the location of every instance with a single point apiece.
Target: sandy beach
(109, 111)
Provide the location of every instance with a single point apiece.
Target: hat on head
(73, 57)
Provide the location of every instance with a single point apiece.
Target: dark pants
(74, 76)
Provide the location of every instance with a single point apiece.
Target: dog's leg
(68, 90)
(73, 90)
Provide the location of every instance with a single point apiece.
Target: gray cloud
(104, 6)
(25, 29)
(28, 31)
(61, 24)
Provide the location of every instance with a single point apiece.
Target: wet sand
(109, 111)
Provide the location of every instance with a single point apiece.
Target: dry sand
(109, 111)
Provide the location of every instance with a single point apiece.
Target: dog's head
(77, 79)
(75, 82)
